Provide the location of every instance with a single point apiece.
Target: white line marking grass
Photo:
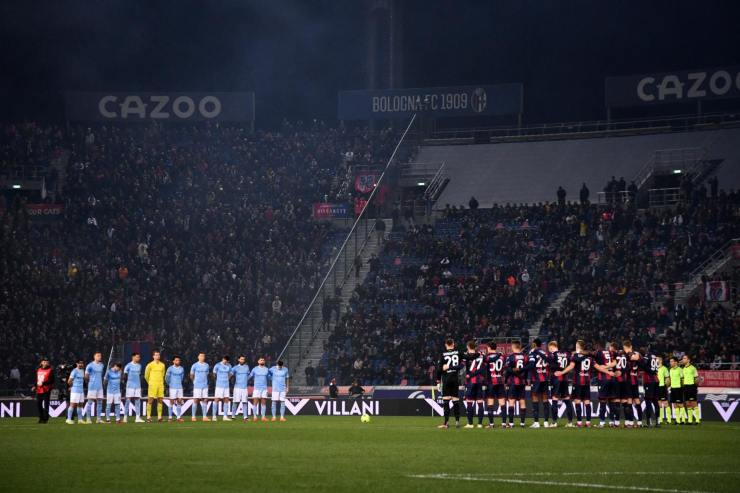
(506, 478)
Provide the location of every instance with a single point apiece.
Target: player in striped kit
(559, 384)
(516, 370)
(607, 386)
(650, 364)
(495, 388)
(474, 377)
(633, 384)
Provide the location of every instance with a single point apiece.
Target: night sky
(296, 55)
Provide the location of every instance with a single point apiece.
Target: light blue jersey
(133, 372)
(173, 377)
(279, 378)
(241, 376)
(199, 372)
(78, 380)
(260, 374)
(114, 381)
(94, 372)
(222, 371)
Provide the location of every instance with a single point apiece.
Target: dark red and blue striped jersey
(558, 362)
(537, 365)
(623, 366)
(475, 371)
(582, 369)
(604, 357)
(495, 362)
(516, 369)
(650, 366)
(634, 368)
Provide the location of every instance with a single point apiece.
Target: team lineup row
(105, 384)
(494, 378)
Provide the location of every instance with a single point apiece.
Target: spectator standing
(473, 204)
(310, 374)
(380, 230)
(15, 378)
(43, 386)
(584, 194)
(561, 196)
(321, 374)
(333, 389)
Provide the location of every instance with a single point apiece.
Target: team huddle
(493, 378)
(158, 376)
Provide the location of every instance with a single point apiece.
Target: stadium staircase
(534, 330)
(311, 352)
(715, 263)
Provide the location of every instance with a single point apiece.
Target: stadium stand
(195, 237)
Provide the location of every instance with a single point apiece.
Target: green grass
(342, 454)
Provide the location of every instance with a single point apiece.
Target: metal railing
(435, 184)
(342, 265)
(663, 197)
(709, 266)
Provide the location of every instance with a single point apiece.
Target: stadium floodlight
(16, 186)
(421, 184)
(676, 171)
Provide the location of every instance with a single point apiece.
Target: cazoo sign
(148, 106)
(681, 86)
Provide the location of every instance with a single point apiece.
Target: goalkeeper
(154, 376)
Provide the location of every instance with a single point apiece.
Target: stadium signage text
(673, 87)
(326, 210)
(231, 106)
(502, 99)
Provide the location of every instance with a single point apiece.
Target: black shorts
(497, 391)
(517, 392)
(581, 392)
(473, 391)
(651, 391)
(540, 388)
(689, 393)
(626, 390)
(607, 390)
(677, 396)
(560, 389)
(662, 393)
(450, 388)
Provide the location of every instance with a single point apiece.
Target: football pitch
(342, 454)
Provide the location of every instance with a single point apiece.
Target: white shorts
(241, 395)
(76, 397)
(200, 393)
(278, 396)
(222, 393)
(133, 393)
(113, 398)
(176, 394)
(259, 394)
(95, 394)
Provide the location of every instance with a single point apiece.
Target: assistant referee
(690, 390)
(675, 382)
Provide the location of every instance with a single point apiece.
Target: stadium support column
(384, 40)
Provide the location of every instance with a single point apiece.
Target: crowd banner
(160, 106)
(327, 210)
(720, 378)
(717, 291)
(678, 86)
(713, 407)
(500, 99)
(41, 212)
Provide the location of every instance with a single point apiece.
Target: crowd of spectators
(193, 237)
(494, 275)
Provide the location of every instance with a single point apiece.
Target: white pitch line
(553, 483)
(606, 473)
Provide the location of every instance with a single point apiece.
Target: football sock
(522, 413)
(469, 412)
(274, 408)
(70, 410)
(614, 409)
(160, 405)
(148, 410)
(137, 409)
(264, 409)
(639, 412)
(511, 415)
(107, 410)
(569, 410)
(215, 409)
(446, 408)
(100, 408)
(91, 413)
(227, 410)
(602, 411)
(116, 412)
(546, 406)
(554, 411)
(627, 410)
(648, 411)
(204, 407)
(536, 411)
(282, 409)
(683, 415)
(80, 413)
(697, 416)
(456, 410)
(245, 409)
(588, 411)
(193, 409)
(503, 414)
(480, 413)
(578, 412)
(490, 414)
(690, 415)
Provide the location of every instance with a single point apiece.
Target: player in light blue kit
(260, 374)
(76, 381)
(113, 391)
(241, 389)
(94, 376)
(279, 376)
(222, 372)
(199, 376)
(132, 376)
(173, 379)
